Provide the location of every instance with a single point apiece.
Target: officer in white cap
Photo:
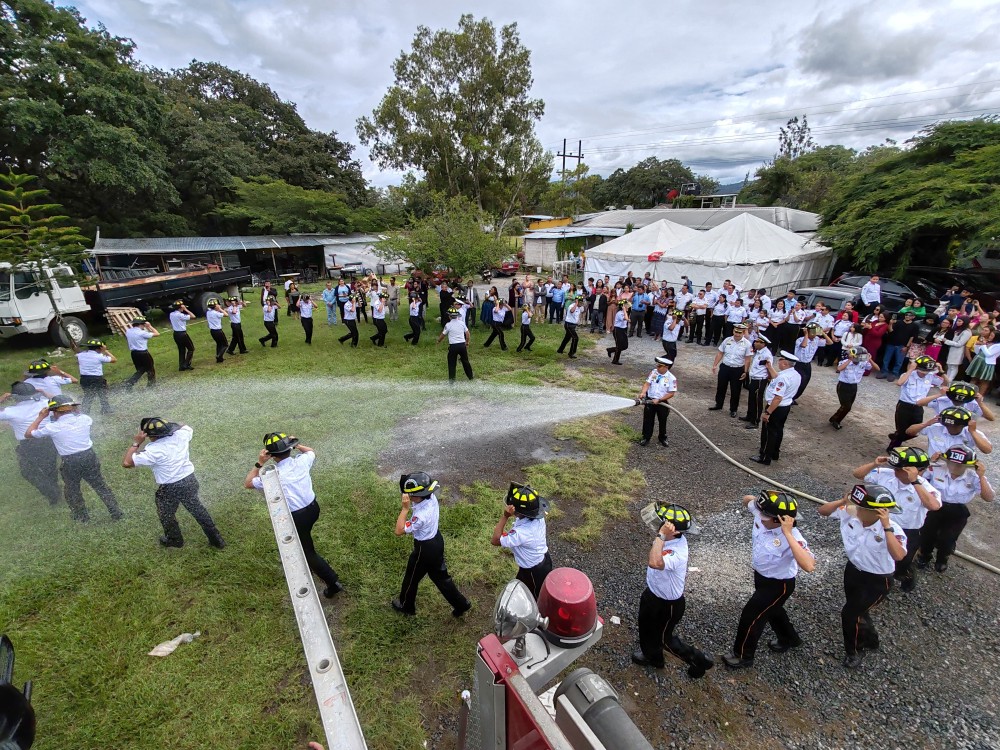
(526, 539)
(731, 363)
(168, 455)
(756, 375)
(62, 421)
(777, 402)
(659, 388)
(35, 458)
(874, 543)
(427, 557)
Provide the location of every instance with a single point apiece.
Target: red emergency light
(567, 599)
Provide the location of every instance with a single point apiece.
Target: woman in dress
(873, 333)
(980, 369)
(486, 311)
(936, 346)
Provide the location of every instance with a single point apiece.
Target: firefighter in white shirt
(457, 334)
(874, 543)
(380, 307)
(900, 473)
(92, 378)
(569, 323)
(736, 314)
(953, 426)
(730, 366)
(777, 403)
(850, 372)
(46, 378)
(499, 317)
(270, 315)
(526, 539)
(673, 328)
(168, 455)
(137, 335)
(527, 337)
(620, 332)
(779, 551)
(806, 346)
(960, 393)
(296, 484)
(420, 520)
(185, 346)
(756, 375)
(921, 375)
(70, 432)
(660, 386)
(415, 322)
(36, 459)
(234, 310)
(662, 604)
(958, 486)
(349, 315)
(214, 315)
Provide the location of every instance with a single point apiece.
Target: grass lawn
(84, 604)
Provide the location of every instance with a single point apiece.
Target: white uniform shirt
(70, 434)
(990, 352)
(423, 521)
(214, 318)
(777, 317)
(293, 473)
(526, 539)
(854, 372)
(805, 349)
(699, 305)
(719, 308)
(269, 313)
(736, 314)
(621, 319)
(841, 327)
(138, 339)
(786, 385)
(940, 440)
(912, 512)
(168, 457)
(456, 331)
(943, 402)
(917, 386)
(959, 491)
(92, 362)
(871, 294)
(772, 557)
(235, 313)
(683, 300)
(525, 318)
(797, 317)
(865, 546)
(21, 415)
(672, 328)
(499, 313)
(378, 310)
(179, 321)
(824, 321)
(765, 302)
(734, 353)
(661, 385)
(350, 310)
(711, 297)
(573, 313)
(415, 308)
(49, 385)
(669, 583)
(758, 370)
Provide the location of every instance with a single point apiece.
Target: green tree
(572, 195)
(795, 139)
(268, 206)
(34, 236)
(802, 182)
(454, 235)
(937, 202)
(460, 111)
(644, 185)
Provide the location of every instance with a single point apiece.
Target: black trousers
(304, 520)
(771, 433)
(527, 338)
(717, 324)
(414, 335)
(183, 492)
(846, 394)
(143, 363)
(697, 331)
(185, 349)
(906, 416)
(635, 323)
(272, 333)
(380, 330)
(805, 369)
(727, 329)
(95, 386)
(597, 318)
(236, 339)
(85, 467)
(36, 458)
(307, 326)
(648, 321)
(941, 530)
(787, 335)
(657, 620)
(427, 559)
(221, 342)
(863, 591)
(755, 399)
(497, 331)
(728, 378)
(670, 349)
(766, 607)
(621, 344)
(652, 413)
(572, 338)
(352, 332)
(534, 577)
(458, 352)
(904, 567)
(830, 354)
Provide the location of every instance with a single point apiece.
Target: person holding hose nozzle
(659, 388)
(526, 539)
(779, 552)
(874, 543)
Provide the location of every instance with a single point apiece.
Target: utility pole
(578, 156)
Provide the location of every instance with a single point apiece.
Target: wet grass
(85, 604)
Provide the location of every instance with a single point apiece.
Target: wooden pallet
(119, 318)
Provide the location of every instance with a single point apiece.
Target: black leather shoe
(170, 543)
(752, 426)
(640, 658)
(853, 661)
(907, 585)
(644, 441)
(331, 591)
(664, 443)
(921, 562)
(715, 408)
(779, 648)
(732, 414)
(218, 543)
(402, 610)
(734, 662)
(837, 425)
(759, 460)
(459, 611)
(744, 419)
(941, 566)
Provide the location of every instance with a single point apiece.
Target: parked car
(927, 283)
(894, 293)
(509, 267)
(836, 297)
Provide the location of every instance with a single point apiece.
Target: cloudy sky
(709, 83)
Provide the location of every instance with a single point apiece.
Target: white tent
(637, 251)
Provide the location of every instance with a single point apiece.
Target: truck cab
(25, 307)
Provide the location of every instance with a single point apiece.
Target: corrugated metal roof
(558, 233)
(791, 219)
(165, 245)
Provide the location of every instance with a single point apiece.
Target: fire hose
(804, 495)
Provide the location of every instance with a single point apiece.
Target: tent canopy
(746, 240)
(659, 237)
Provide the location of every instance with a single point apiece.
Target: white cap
(788, 355)
(664, 361)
